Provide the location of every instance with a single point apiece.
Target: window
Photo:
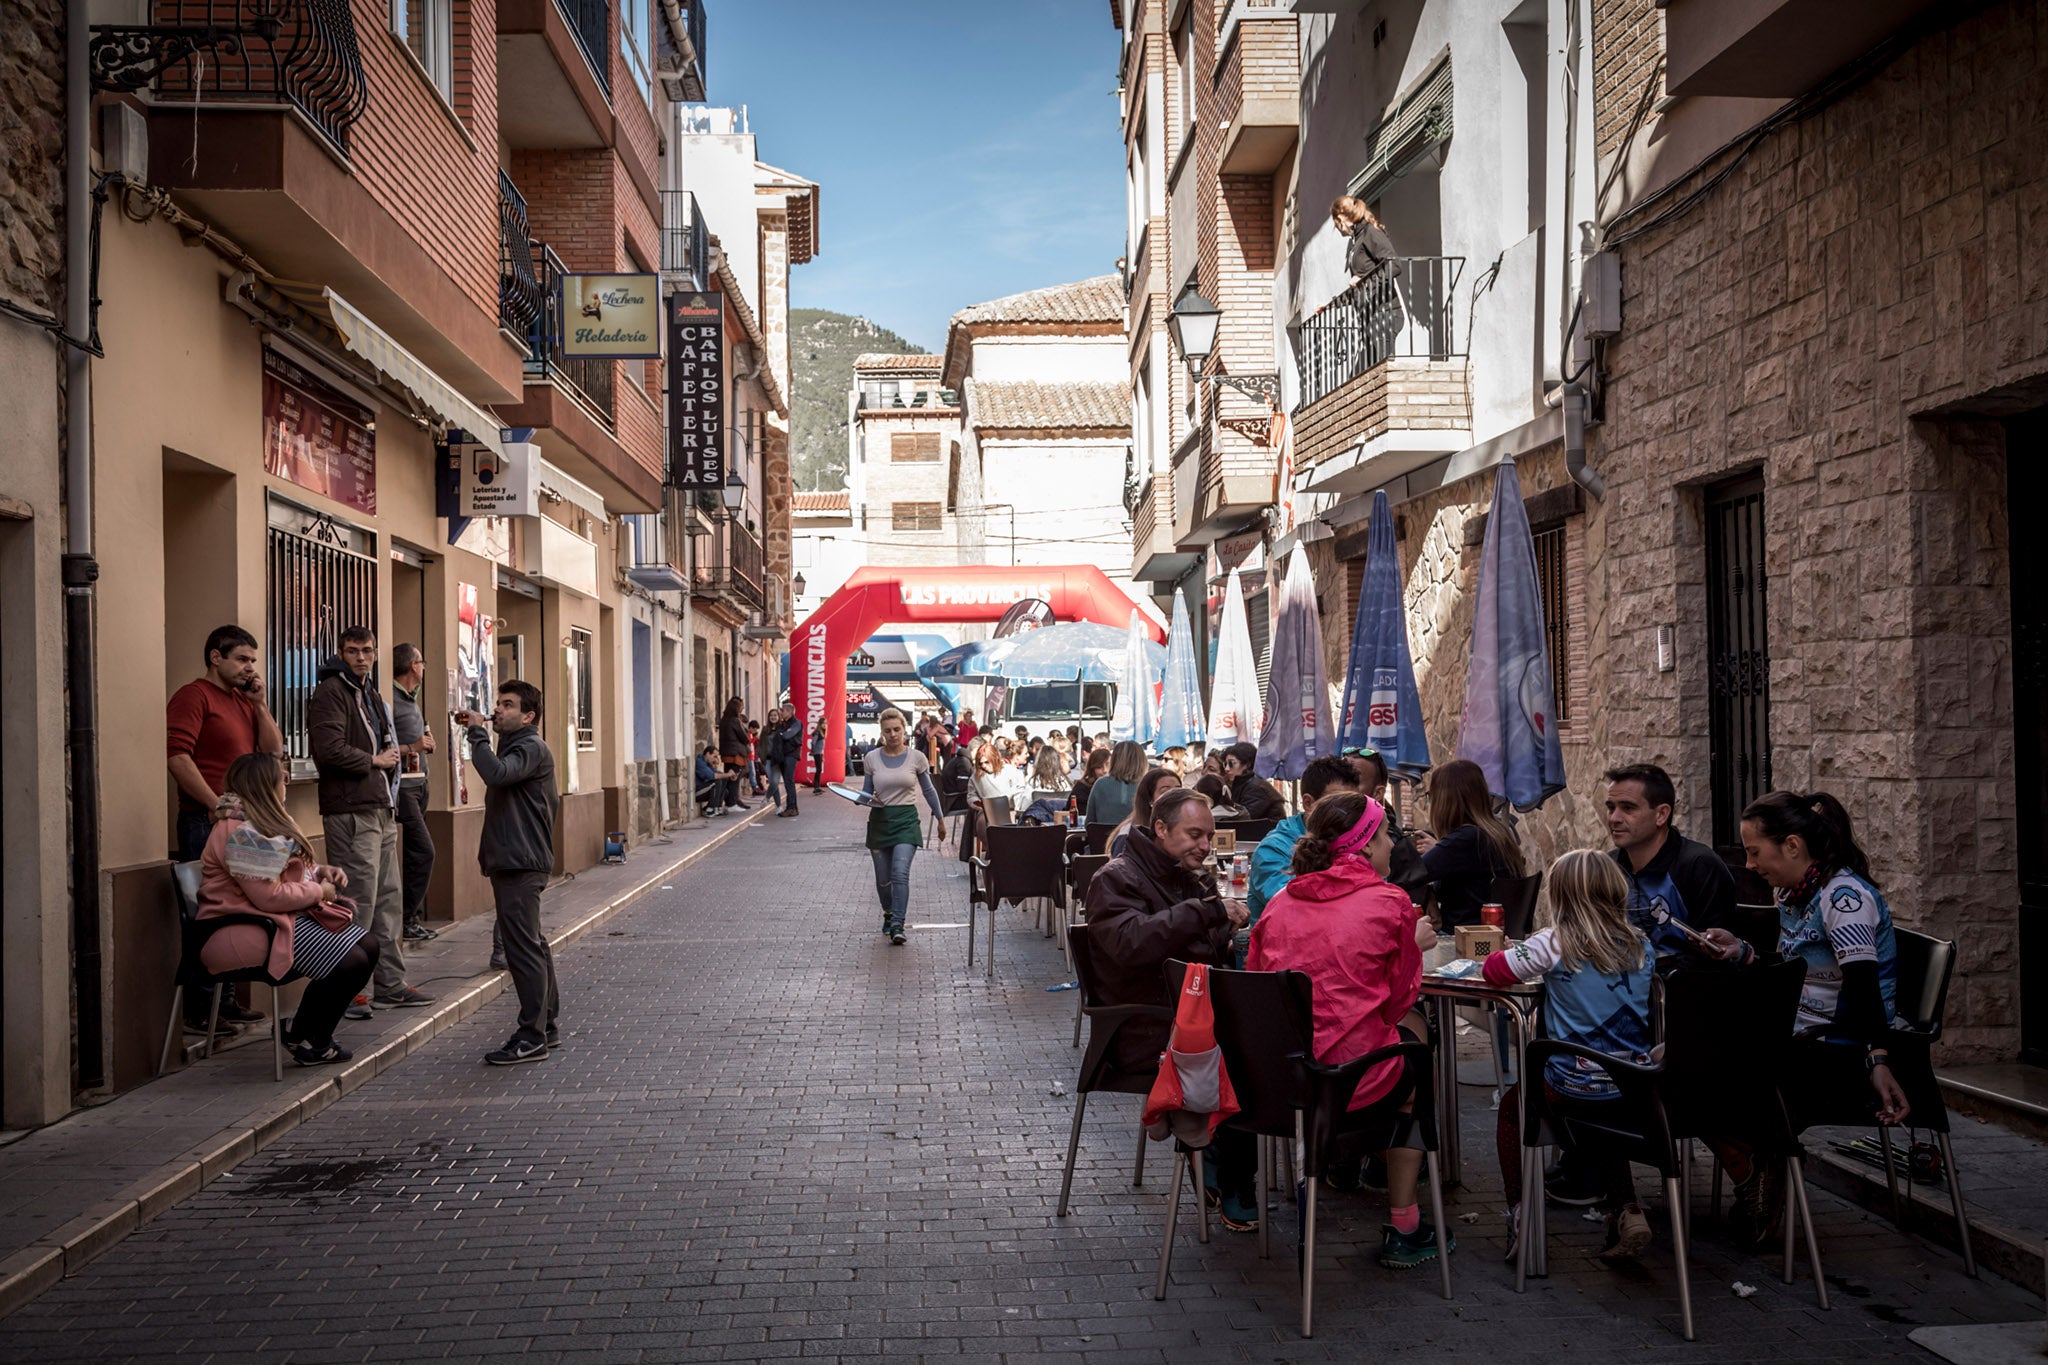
(322, 579)
(583, 695)
(1184, 70)
(914, 447)
(634, 37)
(915, 516)
(1552, 581)
(427, 27)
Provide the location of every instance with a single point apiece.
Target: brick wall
(1628, 38)
(1843, 313)
(31, 176)
(1405, 393)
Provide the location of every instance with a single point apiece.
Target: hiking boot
(1240, 1215)
(405, 997)
(358, 1008)
(1628, 1235)
(1756, 1207)
(1406, 1250)
(516, 1051)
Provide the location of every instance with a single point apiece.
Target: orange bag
(1192, 1094)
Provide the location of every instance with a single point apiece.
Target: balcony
(589, 382)
(731, 569)
(1216, 492)
(519, 288)
(1773, 49)
(679, 50)
(298, 53)
(554, 67)
(1383, 381)
(655, 552)
(1154, 556)
(1260, 85)
(685, 241)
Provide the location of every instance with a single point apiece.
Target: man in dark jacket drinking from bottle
(517, 852)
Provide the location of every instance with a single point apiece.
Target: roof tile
(1073, 404)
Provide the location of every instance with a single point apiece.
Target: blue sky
(966, 150)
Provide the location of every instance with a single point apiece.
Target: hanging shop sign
(611, 317)
(499, 483)
(696, 390)
(317, 437)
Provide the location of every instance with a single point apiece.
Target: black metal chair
(1265, 1028)
(1022, 863)
(1098, 835)
(1081, 869)
(1250, 833)
(1100, 1072)
(193, 933)
(1516, 897)
(1925, 966)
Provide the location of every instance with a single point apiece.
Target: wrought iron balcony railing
(587, 380)
(685, 240)
(730, 565)
(590, 21)
(300, 53)
(519, 291)
(1407, 309)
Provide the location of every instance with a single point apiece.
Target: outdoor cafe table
(1443, 994)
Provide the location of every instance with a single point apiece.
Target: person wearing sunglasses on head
(1407, 870)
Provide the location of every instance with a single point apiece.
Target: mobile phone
(1693, 936)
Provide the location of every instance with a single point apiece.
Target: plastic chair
(1098, 836)
(1250, 833)
(193, 934)
(1022, 863)
(1516, 897)
(1925, 966)
(1266, 1031)
(1099, 1069)
(1081, 869)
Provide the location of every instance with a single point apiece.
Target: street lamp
(1194, 323)
(796, 583)
(734, 492)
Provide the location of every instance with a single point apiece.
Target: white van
(1042, 708)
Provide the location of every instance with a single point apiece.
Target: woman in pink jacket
(1359, 939)
(315, 937)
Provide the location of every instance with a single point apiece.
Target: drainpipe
(1575, 443)
(79, 569)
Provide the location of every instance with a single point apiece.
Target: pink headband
(1359, 835)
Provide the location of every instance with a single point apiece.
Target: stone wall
(32, 156)
(1844, 313)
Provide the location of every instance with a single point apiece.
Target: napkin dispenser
(1478, 941)
(1226, 841)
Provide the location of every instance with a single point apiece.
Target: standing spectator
(210, 722)
(517, 852)
(769, 746)
(756, 776)
(733, 748)
(415, 742)
(355, 748)
(1248, 791)
(968, 729)
(789, 743)
(818, 758)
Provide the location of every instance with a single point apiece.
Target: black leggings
(325, 998)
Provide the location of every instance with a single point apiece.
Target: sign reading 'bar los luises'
(611, 317)
(696, 390)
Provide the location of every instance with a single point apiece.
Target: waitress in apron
(895, 774)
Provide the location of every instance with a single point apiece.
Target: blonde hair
(255, 778)
(892, 711)
(1589, 914)
(1350, 211)
(1176, 758)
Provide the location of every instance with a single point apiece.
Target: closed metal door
(1738, 656)
(2025, 486)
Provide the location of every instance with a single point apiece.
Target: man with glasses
(1273, 859)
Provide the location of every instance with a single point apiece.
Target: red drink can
(1490, 915)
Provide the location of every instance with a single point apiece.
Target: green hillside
(822, 349)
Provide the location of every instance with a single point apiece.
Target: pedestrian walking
(896, 774)
(355, 750)
(415, 742)
(517, 852)
(769, 746)
(789, 744)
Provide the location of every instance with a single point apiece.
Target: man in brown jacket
(355, 749)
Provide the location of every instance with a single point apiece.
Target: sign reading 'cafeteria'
(696, 390)
(611, 317)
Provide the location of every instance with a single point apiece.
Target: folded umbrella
(1510, 723)
(1298, 728)
(1236, 711)
(1382, 710)
(1180, 692)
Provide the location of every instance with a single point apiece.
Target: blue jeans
(892, 883)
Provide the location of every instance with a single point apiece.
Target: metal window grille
(915, 516)
(1550, 581)
(318, 586)
(1738, 654)
(586, 698)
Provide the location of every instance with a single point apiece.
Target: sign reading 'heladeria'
(611, 317)
(696, 391)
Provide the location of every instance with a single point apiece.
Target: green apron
(889, 826)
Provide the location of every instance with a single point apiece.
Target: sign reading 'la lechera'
(611, 317)
(696, 390)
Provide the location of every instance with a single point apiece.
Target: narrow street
(772, 1135)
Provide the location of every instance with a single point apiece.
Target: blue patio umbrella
(1382, 709)
(972, 662)
(1510, 726)
(1137, 695)
(1298, 728)
(1180, 698)
(1070, 650)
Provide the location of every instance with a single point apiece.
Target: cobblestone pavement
(772, 1135)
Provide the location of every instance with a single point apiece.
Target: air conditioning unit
(758, 628)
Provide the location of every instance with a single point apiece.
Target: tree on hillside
(822, 348)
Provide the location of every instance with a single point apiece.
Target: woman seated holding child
(1595, 968)
(1359, 940)
(314, 937)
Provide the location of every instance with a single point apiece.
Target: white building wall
(826, 553)
(719, 168)
(1051, 359)
(1065, 500)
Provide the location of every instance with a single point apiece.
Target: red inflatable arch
(874, 597)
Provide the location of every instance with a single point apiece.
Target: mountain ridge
(823, 346)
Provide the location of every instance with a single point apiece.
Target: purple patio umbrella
(1510, 724)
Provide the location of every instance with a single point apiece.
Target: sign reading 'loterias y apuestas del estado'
(611, 317)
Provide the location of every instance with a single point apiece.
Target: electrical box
(124, 142)
(1600, 292)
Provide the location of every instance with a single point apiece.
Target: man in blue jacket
(1273, 860)
(517, 853)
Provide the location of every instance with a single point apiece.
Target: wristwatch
(1875, 1058)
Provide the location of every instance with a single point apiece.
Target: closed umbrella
(1236, 711)
(1137, 711)
(1382, 710)
(1510, 726)
(1069, 651)
(1298, 728)
(1180, 692)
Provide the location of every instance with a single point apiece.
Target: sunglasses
(1361, 753)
